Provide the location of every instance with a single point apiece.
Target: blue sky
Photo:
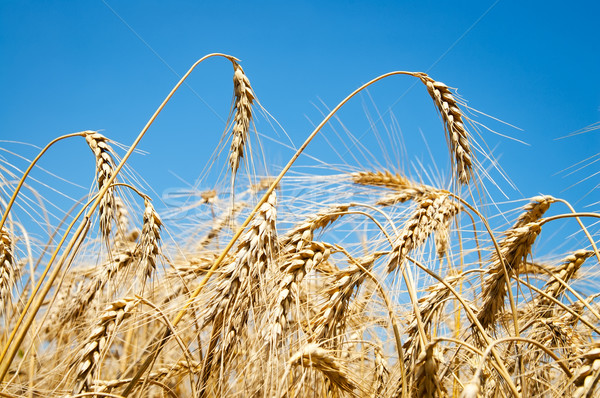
(106, 65)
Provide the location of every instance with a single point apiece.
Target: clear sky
(107, 64)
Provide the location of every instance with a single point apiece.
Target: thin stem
(12, 347)
(513, 305)
(475, 321)
(585, 231)
(239, 232)
(29, 168)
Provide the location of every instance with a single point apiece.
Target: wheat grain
(588, 375)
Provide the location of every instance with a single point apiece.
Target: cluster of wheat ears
(261, 301)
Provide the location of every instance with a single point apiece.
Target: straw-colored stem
(9, 353)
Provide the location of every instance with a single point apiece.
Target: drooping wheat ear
(150, 239)
(303, 232)
(534, 210)
(427, 381)
(434, 213)
(565, 272)
(104, 170)
(514, 249)
(458, 136)
(80, 302)
(588, 375)
(244, 96)
(98, 342)
(8, 269)
(404, 188)
(239, 290)
(332, 314)
(315, 357)
(381, 179)
(301, 262)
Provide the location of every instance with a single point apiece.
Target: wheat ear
(316, 357)
(104, 171)
(427, 381)
(237, 292)
(434, 213)
(404, 189)
(534, 210)
(122, 217)
(150, 239)
(295, 268)
(8, 269)
(244, 96)
(99, 341)
(458, 136)
(588, 375)
(514, 249)
(564, 273)
(338, 293)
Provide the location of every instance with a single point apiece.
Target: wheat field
(362, 283)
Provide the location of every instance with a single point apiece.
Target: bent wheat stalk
(19, 332)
